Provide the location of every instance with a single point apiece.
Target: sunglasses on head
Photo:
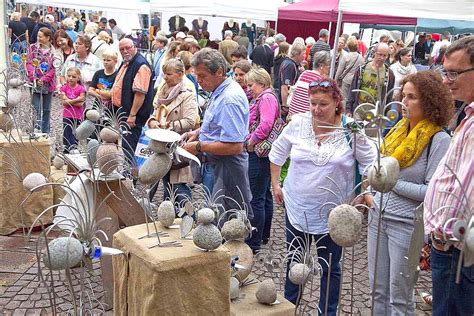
(322, 84)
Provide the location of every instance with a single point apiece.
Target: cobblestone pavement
(22, 294)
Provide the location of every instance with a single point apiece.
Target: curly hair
(436, 99)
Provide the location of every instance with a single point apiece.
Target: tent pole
(338, 29)
(414, 43)
(276, 26)
(330, 27)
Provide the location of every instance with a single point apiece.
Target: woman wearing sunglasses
(319, 150)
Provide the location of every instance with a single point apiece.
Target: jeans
(19, 47)
(42, 105)
(325, 246)
(207, 173)
(393, 291)
(69, 139)
(182, 191)
(450, 298)
(129, 143)
(262, 202)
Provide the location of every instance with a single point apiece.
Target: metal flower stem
(379, 224)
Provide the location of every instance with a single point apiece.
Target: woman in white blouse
(318, 150)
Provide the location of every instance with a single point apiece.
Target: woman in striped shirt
(299, 101)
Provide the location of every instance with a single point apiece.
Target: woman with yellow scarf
(418, 142)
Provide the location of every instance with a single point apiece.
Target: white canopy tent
(137, 6)
(242, 9)
(429, 9)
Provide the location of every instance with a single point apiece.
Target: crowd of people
(247, 95)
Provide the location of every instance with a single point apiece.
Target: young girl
(73, 95)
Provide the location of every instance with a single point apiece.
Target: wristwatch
(198, 146)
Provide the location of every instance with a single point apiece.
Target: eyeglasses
(122, 49)
(453, 75)
(322, 84)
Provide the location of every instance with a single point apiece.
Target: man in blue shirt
(159, 45)
(223, 130)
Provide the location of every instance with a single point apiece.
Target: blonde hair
(174, 64)
(91, 28)
(76, 70)
(259, 75)
(69, 23)
(185, 57)
(103, 35)
(15, 16)
(109, 52)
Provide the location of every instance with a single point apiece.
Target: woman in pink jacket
(264, 111)
(42, 76)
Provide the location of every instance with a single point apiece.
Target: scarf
(168, 94)
(406, 146)
(402, 70)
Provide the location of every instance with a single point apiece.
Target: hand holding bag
(262, 149)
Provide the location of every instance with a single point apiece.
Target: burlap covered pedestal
(168, 281)
(26, 156)
(248, 305)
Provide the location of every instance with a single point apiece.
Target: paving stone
(9, 294)
(35, 297)
(42, 303)
(22, 297)
(27, 304)
(4, 301)
(14, 288)
(27, 291)
(13, 305)
(19, 312)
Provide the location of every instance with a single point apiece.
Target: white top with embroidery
(311, 165)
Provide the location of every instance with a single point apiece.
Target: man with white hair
(262, 55)
(132, 92)
(227, 46)
(48, 21)
(320, 45)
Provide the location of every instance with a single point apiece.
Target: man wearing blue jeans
(223, 130)
(449, 199)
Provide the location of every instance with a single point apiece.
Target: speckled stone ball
(299, 273)
(154, 168)
(266, 293)
(245, 254)
(85, 130)
(234, 229)
(33, 180)
(384, 180)
(345, 225)
(92, 147)
(109, 157)
(93, 115)
(234, 288)
(58, 162)
(109, 135)
(205, 216)
(64, 252)
(166, 213)
(158, 147)
(207, 237)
